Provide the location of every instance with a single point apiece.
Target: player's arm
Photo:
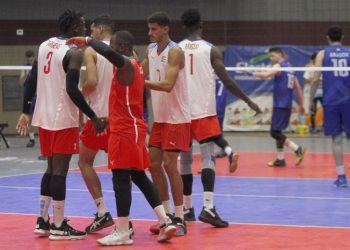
(145, 65)
(175, 64)
(90, 59)
(317, 76)
(31, 83)
(232, 86)
(267, 74)
(299, 94)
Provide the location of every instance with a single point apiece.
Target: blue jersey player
(336, 96)
(284, 84)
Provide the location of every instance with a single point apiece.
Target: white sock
(44, 207)
(208, 199)
(280, 155)
(58, 212)
(123, 224)
(228, 150)
(31, 135)
(340, 170)
(188, 201)
(167, 207)
(291, 144)
(160, 212)
(179, 211)
(101, 206)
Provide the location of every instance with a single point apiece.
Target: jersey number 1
(47, 67)
(191, 64)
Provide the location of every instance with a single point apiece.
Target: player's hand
(255, 107)
(79, 41)
(100, 124)
(22, 126)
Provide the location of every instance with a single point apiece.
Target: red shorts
(91, 140)
(65, 141)
(205, 128)
(168, 136)
(125, 152)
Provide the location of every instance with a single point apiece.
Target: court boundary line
(231, 223)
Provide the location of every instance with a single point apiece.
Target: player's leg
(122, 190)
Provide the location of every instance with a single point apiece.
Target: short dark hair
(29, 53)
(104, 20)
(335, 34)
(276, 50)
(191, 18)
(67, 19)
(125, 37)
(160, 18)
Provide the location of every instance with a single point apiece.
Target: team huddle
(181, 79)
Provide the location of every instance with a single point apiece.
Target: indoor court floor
(268, 208)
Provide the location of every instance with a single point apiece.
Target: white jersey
(200, 78)
(170, 107)
(54, 110)
(100, 96)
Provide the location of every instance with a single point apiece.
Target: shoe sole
(129, 242)
(41, 232)
(301, 158)
(59, 237)
(168, 234)
(154, 230)
(205, 220)
(234, 162)
(100, 228)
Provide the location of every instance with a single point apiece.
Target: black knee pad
(208, 179)
(45, 185)
(122, 191)
(187, 180)
(58, 187)
(279, 137)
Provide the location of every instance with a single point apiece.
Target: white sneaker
(166, 232)
(116, 238)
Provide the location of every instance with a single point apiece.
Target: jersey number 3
(47, 67)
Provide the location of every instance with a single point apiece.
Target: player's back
(200, 77)
(336, 84)
(54, 109)
(99, 97)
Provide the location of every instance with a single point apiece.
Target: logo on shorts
(172, 143)
(111, 162)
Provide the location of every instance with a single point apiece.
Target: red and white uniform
(55, 114)
(200, 78)
(171, 111)
(99, 104)
(126, 145)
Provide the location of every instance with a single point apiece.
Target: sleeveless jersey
(170, 107)
(126, 104)
(200, 78)
(283, 87)
(98, 98)
(336, 84)
(54, 110)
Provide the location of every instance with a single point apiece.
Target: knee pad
(279, 137)
(207, 153)
(58, 187)
(186, 160)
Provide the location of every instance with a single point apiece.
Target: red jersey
(126, 104)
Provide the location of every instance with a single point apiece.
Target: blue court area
(276, 201)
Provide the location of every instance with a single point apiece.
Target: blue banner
(238, 115)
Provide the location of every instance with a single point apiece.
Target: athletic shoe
(31, 143)
(211, 216)
(42, 227)
(180, 224)
(299, 155)
(155, 228)
(220, 154)
(341, 181)
(189, 214)
(277, 163)
(116, 238)
(131, 229)
(99, 223)
(65, 232)
(233, 159)
(166, 232)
